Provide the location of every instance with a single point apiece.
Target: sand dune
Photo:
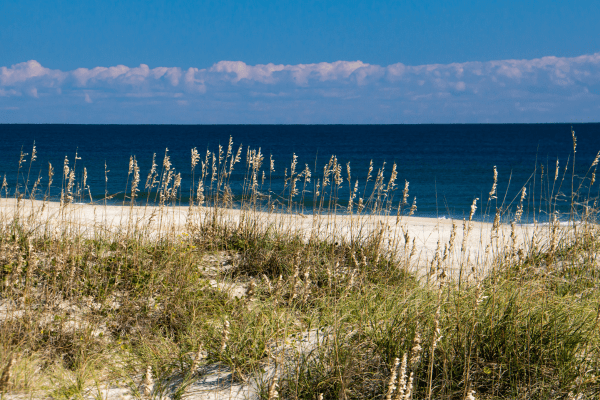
(429, 236)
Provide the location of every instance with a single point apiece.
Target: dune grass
(145, 308)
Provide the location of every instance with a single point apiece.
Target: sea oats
(326, 171)
(35, 185)
(167, 160)
(225, 336)
(250, 290)
(235, 160)
(197, 359)
(402, 379)
(413, 208)
(176, 186)
(306, 173)
(415, 352)
(306, 288)
(409, 386)
(405, 194)
(195, 158)
(349, 177)
(294, 163)
(257, 160)
(380, 177)
(370, 171)
(392, 181)
(494, 185)
(229, 148)
(556, 173)
(150, 182)
(6, 373)
(496, 225)
(70, 184)
(136, 180)
(66, 168)
(148, 382)
(273, 393)
(473, 209)
(595, 162)
(392, 381)
(268, 283)
(336, 171)
(130, 165)
(519, 212)
(360, 206)
(213, 177)
(295, 281)
(22, 158)
(33, 152)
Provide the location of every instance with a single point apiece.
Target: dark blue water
(447, 165)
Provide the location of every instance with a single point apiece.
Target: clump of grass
(155, 305)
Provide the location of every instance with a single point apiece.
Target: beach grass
(349, 307)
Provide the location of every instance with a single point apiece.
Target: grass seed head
(6, 373)
(392, 381)
(148, 382)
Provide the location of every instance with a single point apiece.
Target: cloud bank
(548, 89)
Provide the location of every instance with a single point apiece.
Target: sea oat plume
(413, 208)
(409, 386)
(195, 158)
(5, 378)
(473, 208)
(33, 152)
(596, 160)
(402, 379)
(225, 338)
(392, 381)
(405, 194)
(197, 359)
(370, 171)
(415, 352)
(273, 393)
(494, 185)
(392, 181)
(519, 212)
(148, 382)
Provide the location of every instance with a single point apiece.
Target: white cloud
(481, 88)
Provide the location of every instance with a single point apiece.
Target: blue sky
(172, 62)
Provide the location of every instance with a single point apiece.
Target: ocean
(447, 166)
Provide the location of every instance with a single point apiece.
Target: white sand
(430, 235)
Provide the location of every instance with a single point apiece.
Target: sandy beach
(428, 238)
